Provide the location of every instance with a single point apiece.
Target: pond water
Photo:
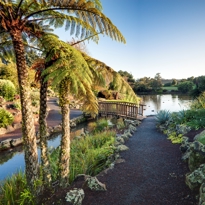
(173, 103)
(12, 161)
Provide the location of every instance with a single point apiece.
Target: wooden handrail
(121, 109)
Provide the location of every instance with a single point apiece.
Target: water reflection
(13, 160)
(173, 103)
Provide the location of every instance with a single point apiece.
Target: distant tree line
(193, 85)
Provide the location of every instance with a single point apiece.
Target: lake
(173, 103)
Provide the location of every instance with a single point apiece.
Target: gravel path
(152, 174)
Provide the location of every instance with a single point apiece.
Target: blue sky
(162, 36)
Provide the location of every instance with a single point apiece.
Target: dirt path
(53, 119)
(153, 173)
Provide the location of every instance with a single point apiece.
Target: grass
(89, 155)
(170, 88)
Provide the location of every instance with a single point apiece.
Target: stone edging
(10, 143)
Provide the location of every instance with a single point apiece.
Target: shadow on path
(152, 174)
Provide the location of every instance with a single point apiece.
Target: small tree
(156, 83)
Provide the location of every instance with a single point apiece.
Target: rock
(120, 140)
(122, 148)
(132, 128)
(16, 142)
(185, 145)
(200, 137)
(75, 196)
(202, 194)
(196, 178)
(5, 144)
(57, 128)
(94, 184)
(197, 155)
(124, 136)
(182, 129)
(128, 133)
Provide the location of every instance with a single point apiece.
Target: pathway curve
(152, 174)
(53, 119)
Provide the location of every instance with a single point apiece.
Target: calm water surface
(13, 160)
(173, 103)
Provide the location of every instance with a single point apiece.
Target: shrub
(89, 155)
(6, 118)
(98, 126)
(199, 102)
(162, 117)
(7, 89)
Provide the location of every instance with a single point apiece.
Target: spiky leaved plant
(162, 117)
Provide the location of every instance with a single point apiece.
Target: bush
(7, 89)
(6, 118)
(199, 102)
(89, 155)
(162, 117)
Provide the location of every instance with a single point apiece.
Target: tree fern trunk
(65, 140)
(28, 128)
(43, 133)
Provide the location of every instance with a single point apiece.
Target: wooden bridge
(121, 109)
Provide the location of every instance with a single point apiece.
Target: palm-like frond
(119, 83)
(68, 65)
(84, 18)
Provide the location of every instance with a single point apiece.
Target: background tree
(127, 76)
(199, 87)
(143, 85)
(185, 87)
(156, 83)
(174, 82)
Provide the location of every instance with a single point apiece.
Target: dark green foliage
(185, 87)
(7, 89)
(199, 102)
(6, 118)
(167, 84)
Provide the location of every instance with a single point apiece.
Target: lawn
(170, 88)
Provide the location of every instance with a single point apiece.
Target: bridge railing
(122, 109)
